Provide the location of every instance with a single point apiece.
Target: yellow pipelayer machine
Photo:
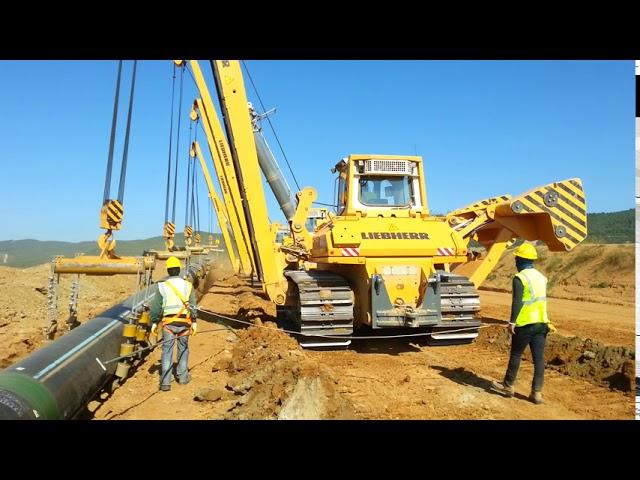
(382, 260)
(407, 268)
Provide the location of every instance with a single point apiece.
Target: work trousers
(169, 339)
(534, 335)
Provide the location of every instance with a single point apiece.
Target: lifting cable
(195, 140)
(114, 121)
(367, 337)
(125, 155)
(166, 203)
(197, 222)
(325, 204)
(197, 206)
(189, 162)
(270, 124)
(107, 180)
(192, 203)
(340, 337)
(175, 178)
(209, 215)
(157, 344)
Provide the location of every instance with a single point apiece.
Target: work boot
(536, 397)
(185, 380)
(165, 388)
(503, 388)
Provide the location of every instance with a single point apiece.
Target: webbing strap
(186, 332)
(177, 292)
(185, 307)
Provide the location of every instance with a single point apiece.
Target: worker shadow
(466, 378)
(154, 368)
(100, 398)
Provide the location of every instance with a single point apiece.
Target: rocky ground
(260, 372)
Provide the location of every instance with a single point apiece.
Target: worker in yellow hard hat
(174, 309)
(529, 323)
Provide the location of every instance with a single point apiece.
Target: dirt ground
(23, 306)
(608, 323)
(262, 373)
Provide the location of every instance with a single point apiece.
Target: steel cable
(112, 140)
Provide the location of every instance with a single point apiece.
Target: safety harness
(178, 317)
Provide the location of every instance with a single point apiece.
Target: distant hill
(611, 227)
(589, 272)
(27, 253)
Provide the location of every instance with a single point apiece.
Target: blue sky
(484, 128)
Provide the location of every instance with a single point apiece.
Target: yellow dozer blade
(555, 213)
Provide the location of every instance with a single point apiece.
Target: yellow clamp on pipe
(126, 348)
(141, 334)
(122, 370)
(129, 330)
(145, 318)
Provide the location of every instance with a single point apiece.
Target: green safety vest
(534, 298)
(175, 296)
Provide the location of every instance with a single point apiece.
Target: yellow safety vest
(534, 298)
(175, 300)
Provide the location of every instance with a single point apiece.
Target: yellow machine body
(382, 259)
(384, 231)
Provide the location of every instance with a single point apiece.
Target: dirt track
(261, 373)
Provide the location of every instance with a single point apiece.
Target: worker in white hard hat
(529, 323)
(174, 309)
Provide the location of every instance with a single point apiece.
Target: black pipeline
(57, 381)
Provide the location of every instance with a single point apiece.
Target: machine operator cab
(380, 185)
